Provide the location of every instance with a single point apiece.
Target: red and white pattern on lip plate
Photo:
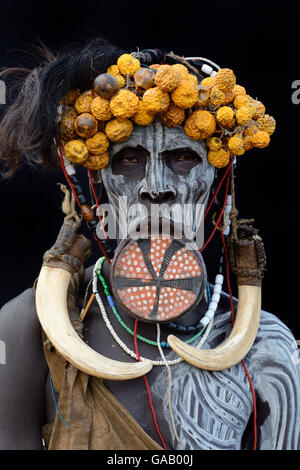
(140, 301)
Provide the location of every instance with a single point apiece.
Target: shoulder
(20, 313)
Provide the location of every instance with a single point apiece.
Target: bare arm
(22, 377)
(275, 369)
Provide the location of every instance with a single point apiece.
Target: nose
(157, 185)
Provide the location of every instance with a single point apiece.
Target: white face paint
(159, 165)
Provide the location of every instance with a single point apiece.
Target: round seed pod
(208, 82)
(261, 139)
(236, 145)
(218, 158)
(267, 124)
(243, 115)
(225, 79)
(124, 104)
(113, 70)
(128, 64)
(167, 78)
(121, 81)
(76, 151)
(99, 143)
(83, 103)
(181, 69)
(100, 108)
(225, 116)
(214, 143)
(86, 125)
(239, 90)
(71, 97)
(106, 85)
(186, 94)
(173, 117)
(216, 96)
(200, 125)
(67, 123)
(203, 98)
(97, 162)
(119, 130)
(144, 78)
(156, 100)
(143, 117)
(260, 110)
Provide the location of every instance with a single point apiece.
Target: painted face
(159, 165)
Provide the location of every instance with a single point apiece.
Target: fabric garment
(96, 419)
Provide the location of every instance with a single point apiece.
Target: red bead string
(147, 388)
(97, 203)
(222, 210)
(243, 362)
(75, 195)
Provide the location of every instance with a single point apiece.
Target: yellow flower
(119, 130)
(128, 64)
(124, 104)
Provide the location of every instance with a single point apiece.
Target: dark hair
(29, 125)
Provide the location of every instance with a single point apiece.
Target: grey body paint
(192, 188)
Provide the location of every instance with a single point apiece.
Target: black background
(258, 40)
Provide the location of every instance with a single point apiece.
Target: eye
(130, 159)
(187, 157)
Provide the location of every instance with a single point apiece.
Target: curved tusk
(51, 305)
(238, 343)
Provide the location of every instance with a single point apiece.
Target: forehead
(157, 138)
